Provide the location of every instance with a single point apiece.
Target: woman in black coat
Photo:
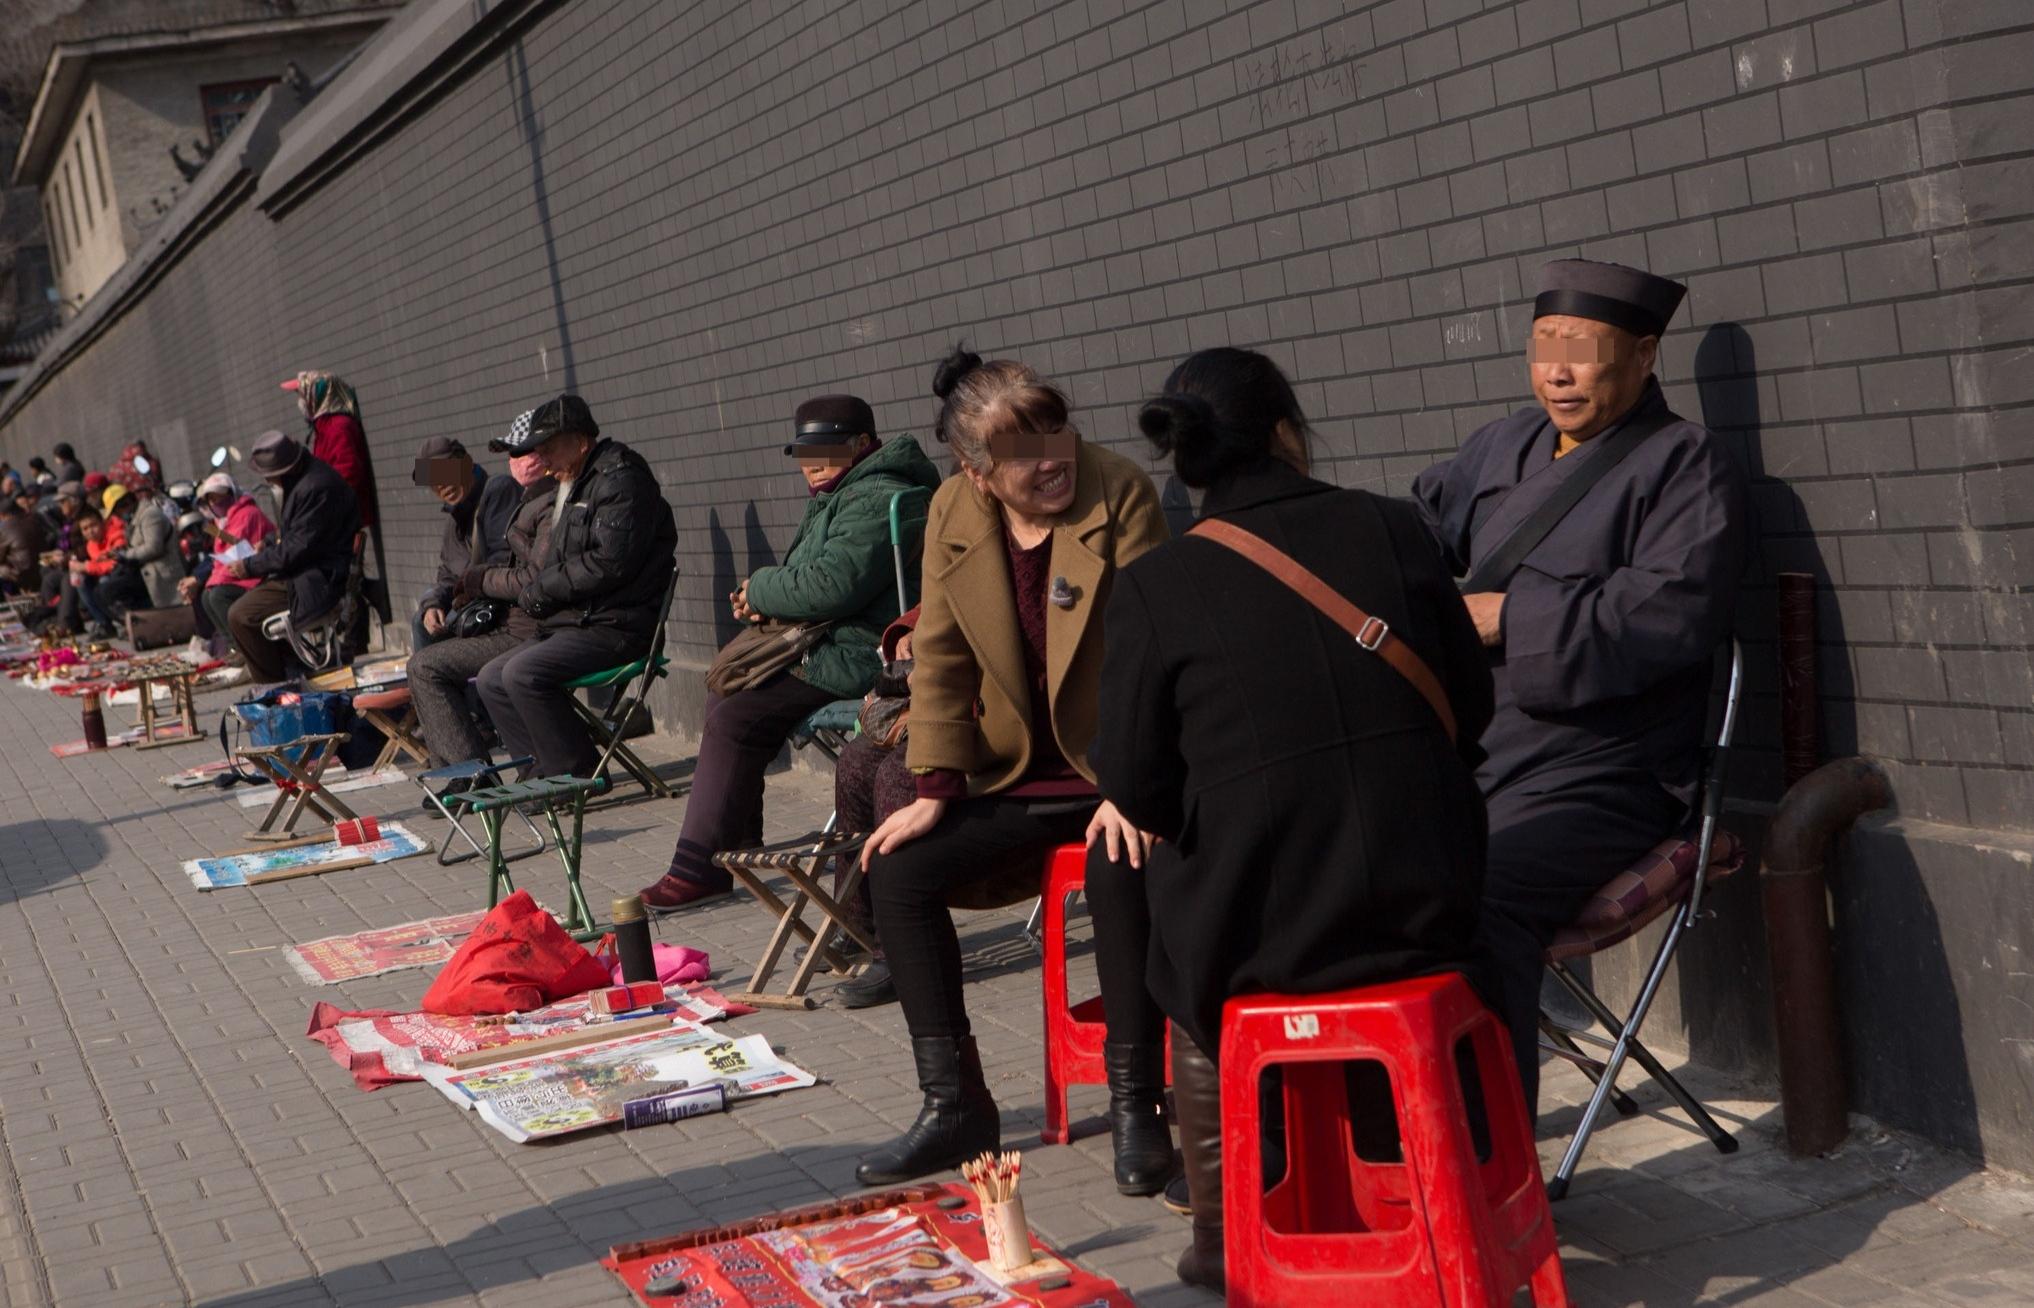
(1320, 829)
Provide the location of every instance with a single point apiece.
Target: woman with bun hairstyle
(1021, 551)
(1318, 827)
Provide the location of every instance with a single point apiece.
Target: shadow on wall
(530, 124)
(39, 855)
(727, 574)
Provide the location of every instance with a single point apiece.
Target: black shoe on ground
(872, 989)
(1177, 1197)
(958, 1121)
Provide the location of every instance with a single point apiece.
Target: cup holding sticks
(995, 1177)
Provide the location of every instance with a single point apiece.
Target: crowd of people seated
(1269, 803)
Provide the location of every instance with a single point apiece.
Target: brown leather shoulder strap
(1372, 633)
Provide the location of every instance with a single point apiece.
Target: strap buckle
(1369, 641)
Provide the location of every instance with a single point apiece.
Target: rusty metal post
(1793, 883)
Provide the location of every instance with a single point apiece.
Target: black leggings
(976, 839)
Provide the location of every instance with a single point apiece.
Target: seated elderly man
(302, 568)
(596, 595)
(477, 509)
(1601, 617)
(439, 671)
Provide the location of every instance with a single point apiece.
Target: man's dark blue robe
(1610, 629)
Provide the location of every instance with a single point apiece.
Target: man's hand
(187, 589)
(1486, 610)
(1119, 837)
(434, 621)
(904, 826)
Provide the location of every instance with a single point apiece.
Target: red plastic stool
(1438, 1230)
(1073, 1032)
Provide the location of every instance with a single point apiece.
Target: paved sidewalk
(172, 1138)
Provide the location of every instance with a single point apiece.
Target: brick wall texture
(697, 214)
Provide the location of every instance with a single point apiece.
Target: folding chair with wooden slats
(1672, 876)
(630, 683)
(393, 714)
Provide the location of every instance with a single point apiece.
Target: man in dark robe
(1601, 641)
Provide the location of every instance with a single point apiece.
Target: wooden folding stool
(297, 769)
(803, 860)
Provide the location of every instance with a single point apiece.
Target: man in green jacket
(838, 571)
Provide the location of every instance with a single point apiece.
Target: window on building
(84, 183)
(226, 103)
(98, 167)
(71, 205)
(55, 228)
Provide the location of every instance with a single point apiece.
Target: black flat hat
(828, 424)
(554, 417)
(1624, 297)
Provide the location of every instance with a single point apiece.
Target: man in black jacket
(598, 592)
(303, 566)
(477, 512)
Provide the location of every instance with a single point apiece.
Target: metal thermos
(95, 722)
(632, 939)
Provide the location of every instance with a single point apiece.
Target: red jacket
(99, 558)
(339, 441)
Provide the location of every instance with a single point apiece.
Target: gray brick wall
(697, 215)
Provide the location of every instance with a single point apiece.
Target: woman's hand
(187, 589)
(904, 826)
(1118, 836)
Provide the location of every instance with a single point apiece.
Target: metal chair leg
(1563, 1046)
(1689, 1104)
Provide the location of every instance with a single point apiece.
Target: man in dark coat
(597, 595)
(447, 709)
(1601, 642)
(477, 510)
(303, 567)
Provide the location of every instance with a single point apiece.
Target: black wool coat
(1320, 830)
(312, 548)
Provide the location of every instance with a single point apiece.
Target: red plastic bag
(517, 959)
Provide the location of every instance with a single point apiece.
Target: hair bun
(1175, 421)
(952, 368)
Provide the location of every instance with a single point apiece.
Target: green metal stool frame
(606, 727)
(550, 795)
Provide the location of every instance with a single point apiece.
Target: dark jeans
(977, 839)
(531, 708)
(266, 659)
(743, 733)
(445, 702)
(214, 602)
(1548, 854)
(117, 592)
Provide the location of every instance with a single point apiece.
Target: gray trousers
(439, 673)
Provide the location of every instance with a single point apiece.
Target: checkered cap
(517, 441)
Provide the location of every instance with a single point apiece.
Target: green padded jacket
(839, 566)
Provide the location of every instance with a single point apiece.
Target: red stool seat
(384, 700)
(1439, 1227)
(1073, 1032)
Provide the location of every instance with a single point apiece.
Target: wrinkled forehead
(1565, 327)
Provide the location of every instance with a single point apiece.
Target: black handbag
(476, 618)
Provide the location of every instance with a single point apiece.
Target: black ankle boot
(1197, 1090)
(1139, 1127)
(958, 1122)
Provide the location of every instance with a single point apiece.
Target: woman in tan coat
(1020, 551)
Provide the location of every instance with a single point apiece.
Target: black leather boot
(1139, 1126)
(958, 1122)
(1197, 1093)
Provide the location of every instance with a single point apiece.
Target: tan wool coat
(970, 697)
